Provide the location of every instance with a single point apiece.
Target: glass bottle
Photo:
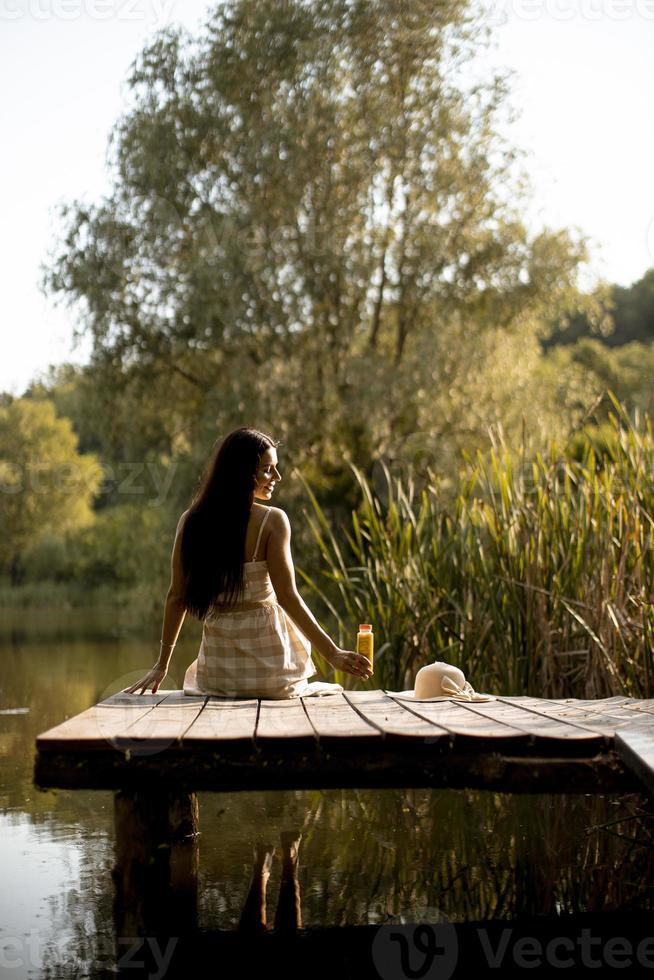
(366, 641)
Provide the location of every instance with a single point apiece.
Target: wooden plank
(616, 699)
(282, 720)
(603, 716)
(541, 722)
(465, 725)
(640, 705)
(600, 703)
(392, 718)
(98, 725)
(607, 718)
(333, 717)
(635, 746)
(538, 725)
(224, 721)
(167, 722)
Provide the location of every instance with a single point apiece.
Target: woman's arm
(174, 611)
(282, 576)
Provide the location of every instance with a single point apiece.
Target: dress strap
(256, 547)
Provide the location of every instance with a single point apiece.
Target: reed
(536, 579)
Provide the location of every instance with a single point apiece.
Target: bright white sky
(583, 84)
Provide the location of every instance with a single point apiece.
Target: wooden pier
(355, 739)
(156, 752)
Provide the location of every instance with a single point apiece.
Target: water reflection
(342, 858)
(374, 853)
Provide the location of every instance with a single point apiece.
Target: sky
(582, 84)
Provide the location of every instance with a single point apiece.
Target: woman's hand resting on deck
(351, 662)
(152, 679)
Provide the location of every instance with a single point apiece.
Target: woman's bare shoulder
(182, 519)
(278, 515)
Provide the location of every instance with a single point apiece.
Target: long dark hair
(213, 537)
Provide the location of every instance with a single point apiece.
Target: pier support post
(156, 868)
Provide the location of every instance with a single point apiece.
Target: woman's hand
(153, 679)
(351, 662)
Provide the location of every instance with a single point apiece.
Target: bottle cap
(365, 626)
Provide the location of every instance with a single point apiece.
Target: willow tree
(302, 195)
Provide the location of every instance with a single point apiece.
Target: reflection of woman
(231, 567)
(288, 915)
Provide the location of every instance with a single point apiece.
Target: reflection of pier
(157, 751)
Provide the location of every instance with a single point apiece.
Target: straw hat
(441, 682)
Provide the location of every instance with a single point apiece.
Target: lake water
(366, 857)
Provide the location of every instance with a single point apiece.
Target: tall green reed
(537, 579)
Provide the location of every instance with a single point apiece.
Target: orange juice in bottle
(366, 641)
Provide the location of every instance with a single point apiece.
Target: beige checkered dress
(255, 650)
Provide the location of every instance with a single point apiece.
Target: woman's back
(258, 586)
(255, 532)
(254, 649)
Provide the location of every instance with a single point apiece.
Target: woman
(232, 568)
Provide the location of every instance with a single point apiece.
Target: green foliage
(135, 435)
(127, 545)
(627, 370)
(597, 443)
(45, 483)
(630, 318)
(47, 560)
(311, 205)
(538, 581)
